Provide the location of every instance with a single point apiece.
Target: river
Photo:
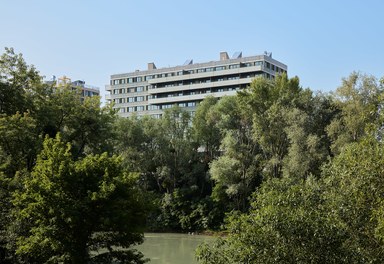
(170, 248)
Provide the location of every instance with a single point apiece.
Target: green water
(167, 248)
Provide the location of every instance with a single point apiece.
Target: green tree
(17, 81)
(70, 210)
(306, 150)
(184, 205)
(18, 142)
(205, 129)
(268, 100)
(85, 124)
(359, 100)
(31, 109)
(355, 191)
(287, 223)
(165, 154)
(335, 219)
(236, 172)
(142, 144)
(287, 122)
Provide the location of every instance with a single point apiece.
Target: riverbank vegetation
(292, 176)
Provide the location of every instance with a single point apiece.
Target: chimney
(224, 56)
(151, 66)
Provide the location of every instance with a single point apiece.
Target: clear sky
(320, 41)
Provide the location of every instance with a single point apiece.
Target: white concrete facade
(151, 91)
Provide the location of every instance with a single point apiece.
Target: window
(140, 89)
(220, 68)
(140, 108)
(154, 107)
(139, 98)
(166, 106)
(139, 79)
(234, 66)
(191, 104)
(131, 99)
(131, 109)
(130, 80)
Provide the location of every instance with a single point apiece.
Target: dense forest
(288, 175)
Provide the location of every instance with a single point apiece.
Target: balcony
(108, 88)
(196, 86)
(185, 98)
(205, 75)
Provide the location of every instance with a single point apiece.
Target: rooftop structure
(86, 90)
(151, 91)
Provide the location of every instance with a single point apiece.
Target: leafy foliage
(355, 191)
(359, 100)
(257, 157)
(71, 208)
(286, 120)
(288, 223)
(29, 110)
(335, 219)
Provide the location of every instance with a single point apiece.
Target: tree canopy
(73, 209)
(63, 198)
(291, 176)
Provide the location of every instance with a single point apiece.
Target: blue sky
(320, 41)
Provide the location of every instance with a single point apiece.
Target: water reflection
(169, 248)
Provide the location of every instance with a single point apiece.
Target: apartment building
(151, 91)
(85, 89)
